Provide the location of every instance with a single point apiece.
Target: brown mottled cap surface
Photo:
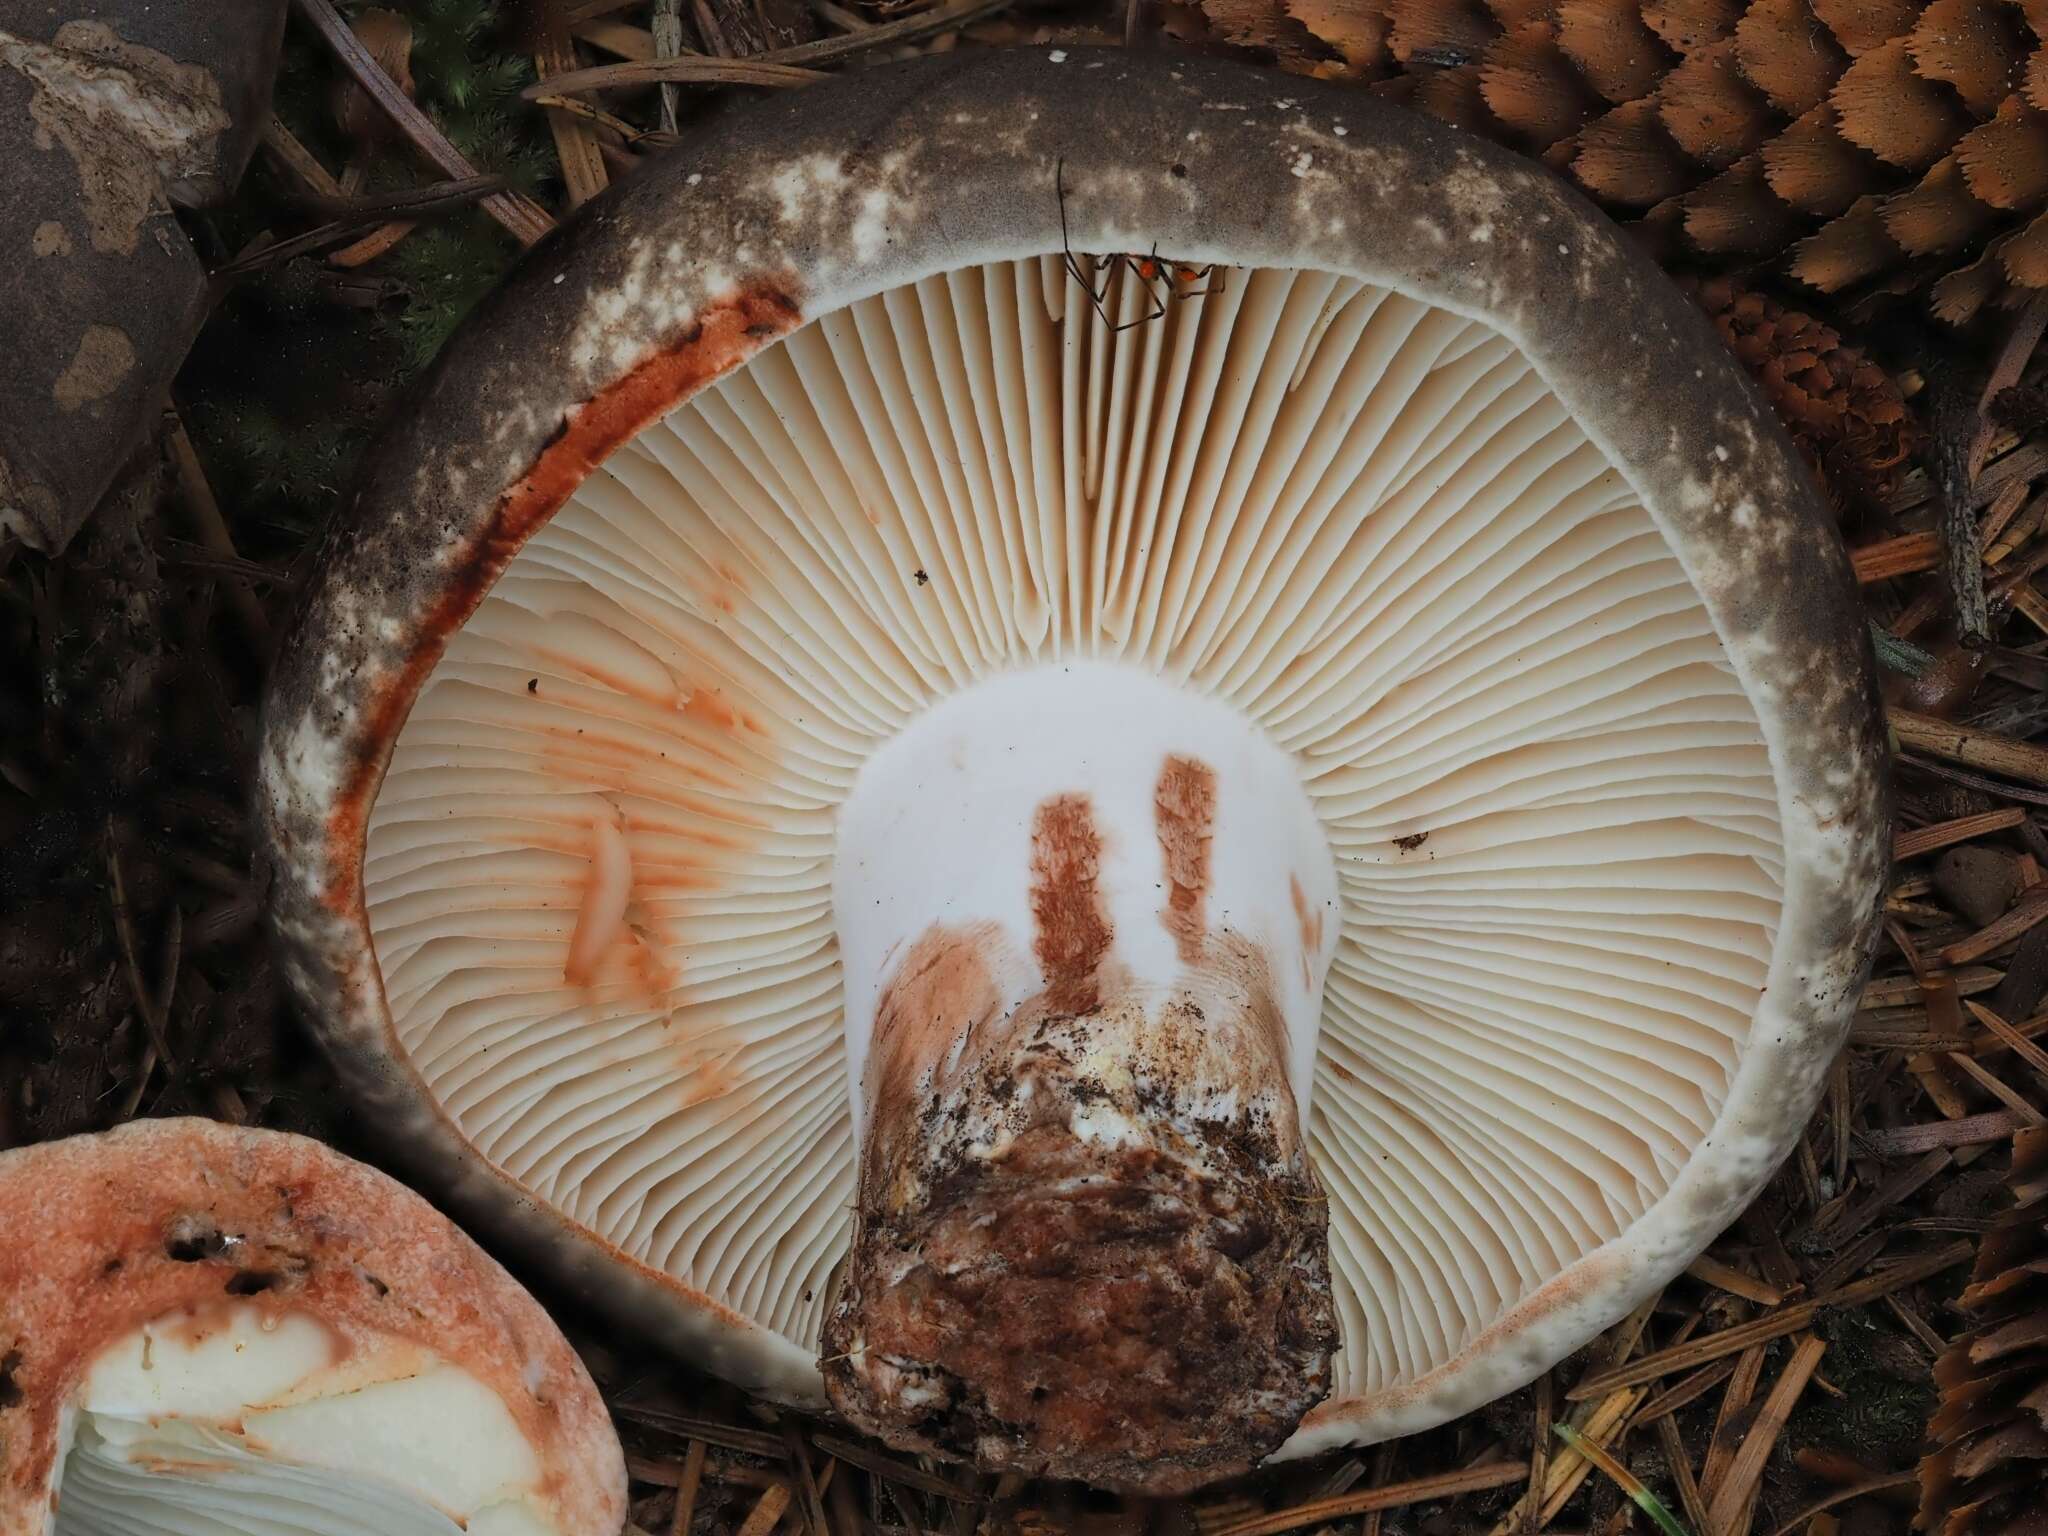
(105, 1233)
(111, 111)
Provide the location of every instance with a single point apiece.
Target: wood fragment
(1682, 1394)
(893, 1469)
(2012, 1039)
(1723, 1441)
(583, 172)
(730, 1437)
(1974, 749)
(2027, 1029)
(1382, 1474)
(520, 216)
(1955, 431)
(767, 1511)
(1539, 1451)
(1746, 1472)
(2025, 914)
(1604, 1427)
(1851, 1261)
(778, 66)
(813, 1506)
(1892, 991)
(153, 1013)
(1734, 1281)
(298, 161)
(378, 242)
(1925, 840)
(686, 1489)
(1912, 1140)
(1997, 1087)
(1680, 1465)
(416, 200)
(1891, 1037)
(2022, 337)
(1999, 516)
(1916, 1325)
(1843, 1113)
(1496, 1474)
(1788, 1319)
(1908, 554)
(666, 27)
(1905, 1181)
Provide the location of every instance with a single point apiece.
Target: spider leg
(1096, 293)
(1155, 305)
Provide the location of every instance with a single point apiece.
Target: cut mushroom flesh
(237, 1418)
(940, 783)
(235, 1332)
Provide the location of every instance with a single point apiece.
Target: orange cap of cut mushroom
(209, 1327)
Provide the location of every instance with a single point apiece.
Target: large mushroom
(1112, 863)
(207, 1330)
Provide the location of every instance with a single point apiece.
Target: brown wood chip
(1911, 1140)
(1924, 840)
(767, 1511)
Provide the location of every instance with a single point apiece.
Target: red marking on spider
(1161, 278)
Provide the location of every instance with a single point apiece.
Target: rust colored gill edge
(721, 337)
(718, 340)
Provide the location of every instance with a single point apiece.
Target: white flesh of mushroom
(939, 828)
(242, 1422)
(1362, 526)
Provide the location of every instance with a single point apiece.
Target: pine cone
(1844, 411)
(1868, 145)
(1990, 1475)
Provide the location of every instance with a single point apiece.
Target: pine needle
(1623, 1479)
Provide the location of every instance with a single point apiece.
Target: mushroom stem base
(1083, 1273)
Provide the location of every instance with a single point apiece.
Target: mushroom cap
(168, 1218)
(809, 206)
(113, 110)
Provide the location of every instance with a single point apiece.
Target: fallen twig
(1740, 1482)
(1788, 1319)
(779, 66)
(1494, 1474)
(522, 218)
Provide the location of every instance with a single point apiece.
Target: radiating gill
(1364, 524)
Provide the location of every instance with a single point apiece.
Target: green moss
(298, 365)
(1888, 1394)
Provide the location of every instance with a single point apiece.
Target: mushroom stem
(1081, 915)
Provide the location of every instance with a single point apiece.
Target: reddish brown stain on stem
(721, 338)
(1309, 920)
(1072, 925)
(942, 988)
(1184, 807)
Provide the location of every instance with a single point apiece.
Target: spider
(1163, 278)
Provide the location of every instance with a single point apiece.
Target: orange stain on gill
(617, 680)
(712, 707)
(722, 337)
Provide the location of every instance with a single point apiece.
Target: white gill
(1363, 523)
